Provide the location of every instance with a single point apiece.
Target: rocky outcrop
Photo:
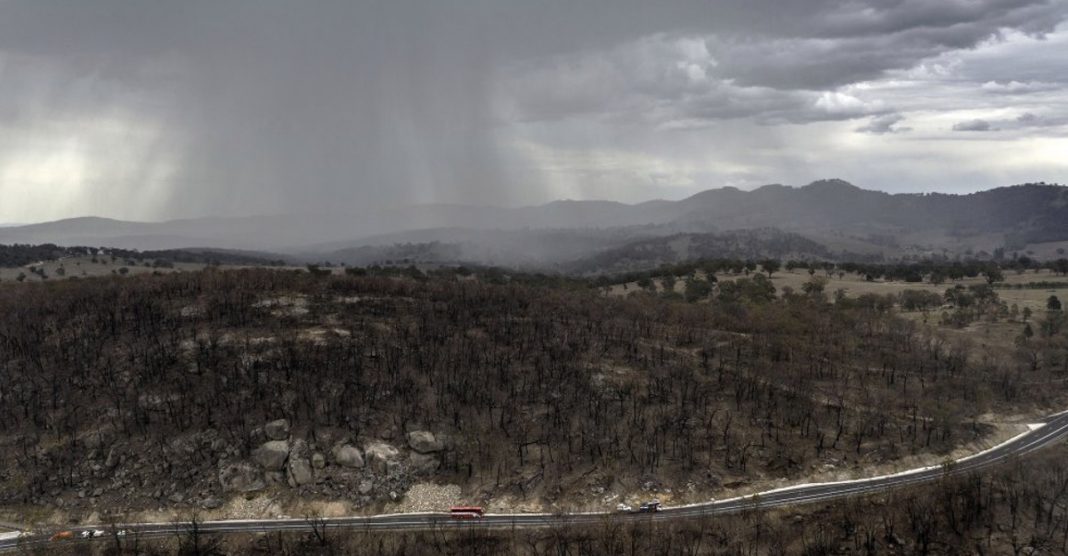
(277, 430)
(347, 455)
(211, 503)
(241, 477)
(366, 487)
(271, 455)
(299, 470)
(381, 457)
(424, 442)
(423, 464)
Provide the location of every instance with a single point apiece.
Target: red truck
(466, 512)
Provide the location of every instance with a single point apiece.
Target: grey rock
(211, 503)
(241, 477)
(298, 449)
(424, 442)
(115, 456)
(257, 436)
(318, 460)
(299, 471)
(366, 487)
(423, 464)
(275, 477)
(271, 455)
(379, 454)
(98, 439)
(277, 429)
(348, 455)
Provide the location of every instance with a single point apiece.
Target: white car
(624, 508)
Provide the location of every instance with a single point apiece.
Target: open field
(855, 285)
(90, 267)
(86, 267)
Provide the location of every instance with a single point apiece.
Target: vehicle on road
(62, 536)
(624, 508)
(466, 512)
(649, 507)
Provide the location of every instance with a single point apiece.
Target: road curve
(1052, 430)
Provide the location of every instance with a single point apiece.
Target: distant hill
(834, 213)
(12, 256)
(755, 244)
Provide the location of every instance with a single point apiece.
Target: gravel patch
(430, 497)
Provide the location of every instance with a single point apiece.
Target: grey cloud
(1033, 121)
(1014, 87)
(1025, 121)
(665, 80)
(884, 124)
(973, 125)
(266, 106)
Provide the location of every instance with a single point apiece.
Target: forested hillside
(185, 389)
(765, 243)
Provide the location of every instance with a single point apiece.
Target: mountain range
(834, 214)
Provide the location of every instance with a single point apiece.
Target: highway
(1052, 430)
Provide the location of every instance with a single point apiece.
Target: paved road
(1054, 429)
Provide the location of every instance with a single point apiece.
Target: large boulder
(424, 442)
(423, 464)
(380, 455)
(277, 430)
(241, 477)
(271, 455)
(300, 471)
(347, 455)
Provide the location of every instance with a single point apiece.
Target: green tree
(1053, 304)
(770, 266)
(814, 287)
(697, 289)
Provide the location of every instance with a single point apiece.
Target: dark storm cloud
(265, 106)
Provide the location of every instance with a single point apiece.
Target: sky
(160, 110)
